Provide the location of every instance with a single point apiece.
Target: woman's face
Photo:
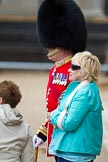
(74, 71)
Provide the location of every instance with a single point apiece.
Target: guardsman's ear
(1, 100)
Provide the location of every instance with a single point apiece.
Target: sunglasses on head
(75, 67)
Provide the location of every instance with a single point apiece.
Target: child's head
(9, 93)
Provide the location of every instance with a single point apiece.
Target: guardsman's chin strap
(53, 52)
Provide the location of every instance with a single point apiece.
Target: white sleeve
(60, 118)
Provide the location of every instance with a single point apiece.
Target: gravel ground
(32, 85)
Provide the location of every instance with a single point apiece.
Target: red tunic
(57, 83)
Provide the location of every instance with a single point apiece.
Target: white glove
(37, 141)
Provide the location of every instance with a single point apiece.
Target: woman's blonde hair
(90, 65)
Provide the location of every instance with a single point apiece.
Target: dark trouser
(63, 160)
(55, 158)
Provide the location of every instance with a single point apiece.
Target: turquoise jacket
(82, 124)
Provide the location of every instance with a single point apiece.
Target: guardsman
(62, 31)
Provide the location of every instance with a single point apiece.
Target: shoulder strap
(63, 113)
(75, 90)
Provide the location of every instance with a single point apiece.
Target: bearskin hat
(61, 24)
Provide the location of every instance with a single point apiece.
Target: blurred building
(18, 39)
(30, 7)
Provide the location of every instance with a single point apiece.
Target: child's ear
(1, 100)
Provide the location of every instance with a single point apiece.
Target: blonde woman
(77, 136)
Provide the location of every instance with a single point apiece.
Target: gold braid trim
(42, 130)
(63, 61)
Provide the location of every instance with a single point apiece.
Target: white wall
(91, 7)
(30, 7)
(18, 7)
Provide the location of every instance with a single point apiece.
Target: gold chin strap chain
(53, 52)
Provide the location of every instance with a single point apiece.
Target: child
(15, 136)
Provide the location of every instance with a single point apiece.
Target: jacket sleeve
(54, 117)
(27, 152)
(77, 111)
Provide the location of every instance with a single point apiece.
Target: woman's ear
(1, 100)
